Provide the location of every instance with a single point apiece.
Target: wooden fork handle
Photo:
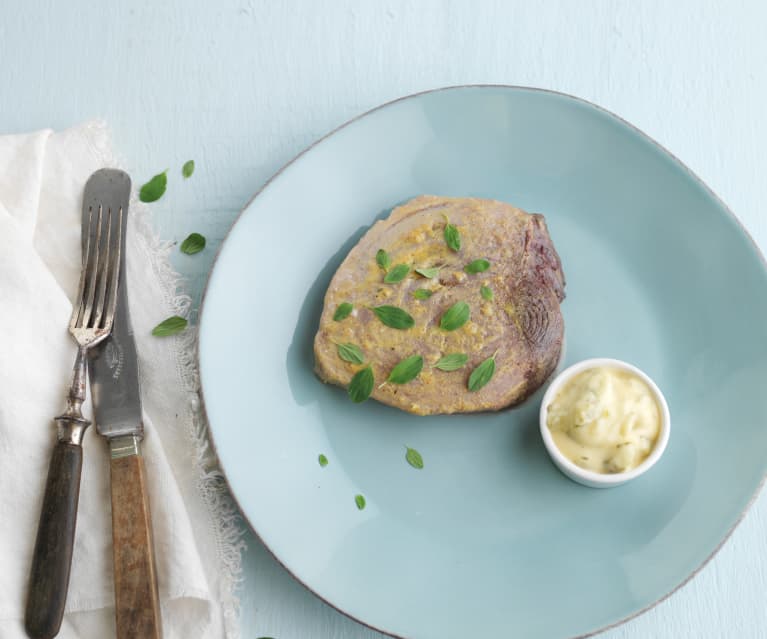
(52, 558)
(136, 599)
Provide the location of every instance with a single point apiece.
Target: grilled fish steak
(521, 325)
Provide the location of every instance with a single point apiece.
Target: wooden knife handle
(52, 558)
(136, 600)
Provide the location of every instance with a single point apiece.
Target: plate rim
(505, 87)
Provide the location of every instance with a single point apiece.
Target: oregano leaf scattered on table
(194, 243)
(414, 458)
(187, 169)
(170, 326)
(154, 189)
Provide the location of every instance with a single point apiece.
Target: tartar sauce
(605, 419)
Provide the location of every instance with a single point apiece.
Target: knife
(115, 392)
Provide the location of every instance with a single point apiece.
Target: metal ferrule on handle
(71, 424)
(124, 445)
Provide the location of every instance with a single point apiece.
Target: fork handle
(52, 558)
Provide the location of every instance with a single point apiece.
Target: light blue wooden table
(241, 86)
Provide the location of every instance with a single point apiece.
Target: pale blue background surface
(242, 86)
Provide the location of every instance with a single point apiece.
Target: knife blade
(116, 395)
(114, 374)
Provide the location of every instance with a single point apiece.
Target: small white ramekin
(589, 477)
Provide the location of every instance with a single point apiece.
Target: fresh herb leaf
(188, 168)
(482, 374)
(154, 189)
(487, 293)
(452, 236)
(452, 362)
(323, 461)
(393, 317)
(193, 244)
(360, 501)
(477, 266)
(428, 273)
(397, 274)
(170, 326)
(422, 293)
(342, 312)
(414, 458)
(361, 385)
(350, 353)
(455, 317)
(383, 260)
(406, 371)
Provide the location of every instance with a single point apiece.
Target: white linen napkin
(197, 535)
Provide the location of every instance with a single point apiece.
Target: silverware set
(106, 354)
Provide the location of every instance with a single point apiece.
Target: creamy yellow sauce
(605, 419)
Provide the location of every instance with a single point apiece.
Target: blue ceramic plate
(489, 539)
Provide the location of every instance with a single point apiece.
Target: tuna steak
(514, 305)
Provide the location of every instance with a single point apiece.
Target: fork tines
(97, 293)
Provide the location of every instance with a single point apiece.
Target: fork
(91, 323)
